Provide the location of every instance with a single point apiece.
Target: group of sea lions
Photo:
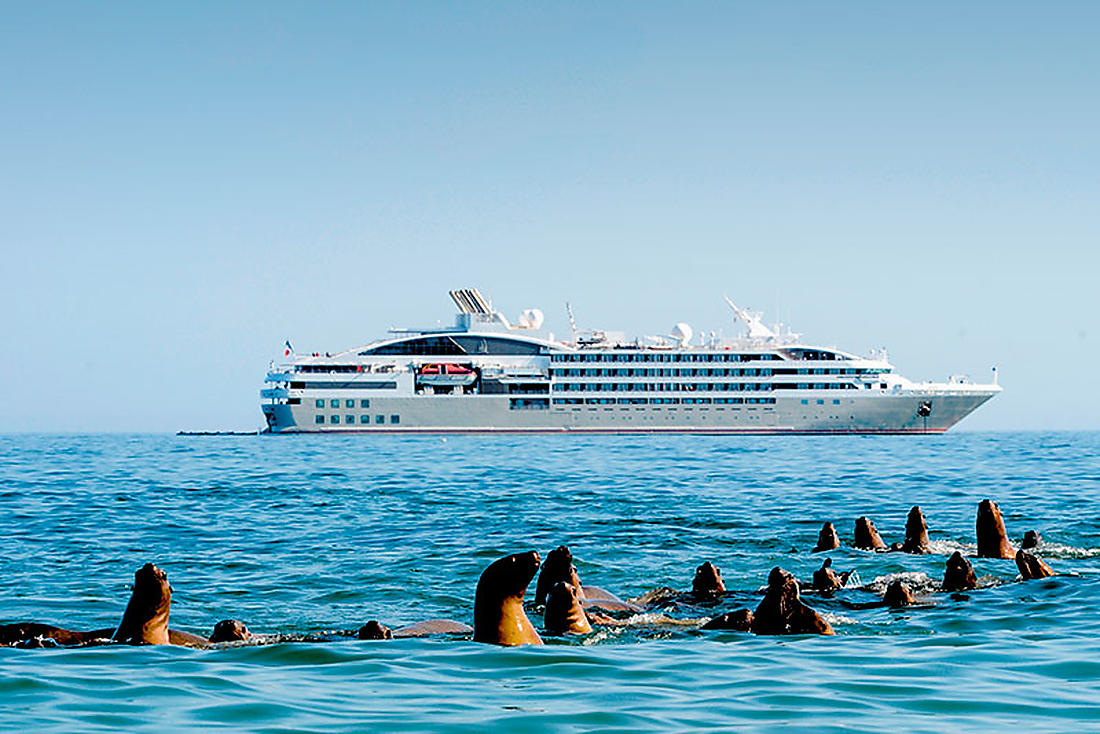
(992, 542)
(569, 607)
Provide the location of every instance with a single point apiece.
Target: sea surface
(318, 533)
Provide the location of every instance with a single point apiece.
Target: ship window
(364, 403)
(805, 402)
(349, 419)
(364, 419)
(395, 419)
(379, 419)
(334, 419)
(319, 418)
(820, 402)
(320, 403)
(334, 403)
(349, 403)
(836, 402)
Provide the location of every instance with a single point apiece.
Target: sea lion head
(145, 621)
(558, 567)
(230, 630)
(1032, 539)
(916, 532)
(866, 535)
(708, 581)
(898, 594)
(498, 602)
(375, 630)
(564, 613)
(990, 527)
(1031, 566)
(827, 539)
(959, 574)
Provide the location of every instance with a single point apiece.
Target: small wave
(947, 547)
(1058, 550)
(835, 619)
(917, 581)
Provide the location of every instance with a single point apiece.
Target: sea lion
(959, 574)
(1032, 539)
(1031, 566)
(740, 620)
(826, 580)
(867, 537)
(898, 595)
(707, 583)
(433, 627)
(564, 613)
(782, 612)
(827, 539)
(916, 533)
(498, 602)
(145, 621)
(230, 630)
(990, 526)
(557, 567)
(24, 633)
(374, 630)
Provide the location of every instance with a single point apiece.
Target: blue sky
(185, 187)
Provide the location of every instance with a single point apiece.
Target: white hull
(489, 414)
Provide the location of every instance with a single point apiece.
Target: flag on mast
(289, 349)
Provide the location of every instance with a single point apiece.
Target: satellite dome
(531, 318)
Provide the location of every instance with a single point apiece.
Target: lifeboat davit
(446, 375)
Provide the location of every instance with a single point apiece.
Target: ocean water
(314, 533)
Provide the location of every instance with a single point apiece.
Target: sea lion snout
(150, 573)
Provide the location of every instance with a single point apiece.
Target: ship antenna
(572, 321)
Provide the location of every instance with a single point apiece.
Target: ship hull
(896, 413)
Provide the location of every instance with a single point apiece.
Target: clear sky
(184, 186)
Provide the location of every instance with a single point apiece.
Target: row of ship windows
(661, 357)
(696, 386)
(350, 419)
(705, 372)
(335, 403)
(667, 401)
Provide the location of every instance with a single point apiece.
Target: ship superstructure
(484, 374)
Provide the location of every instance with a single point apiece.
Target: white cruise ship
(484, 374)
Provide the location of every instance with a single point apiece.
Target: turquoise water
(305, 534)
